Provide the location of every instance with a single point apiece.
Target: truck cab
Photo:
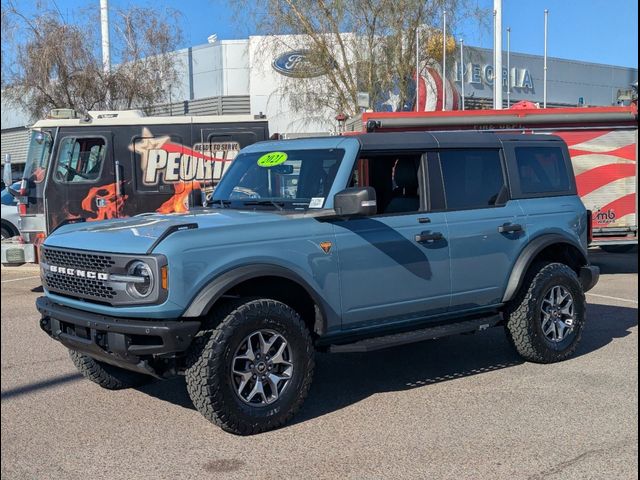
(119, 164)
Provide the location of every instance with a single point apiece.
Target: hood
(139, 235)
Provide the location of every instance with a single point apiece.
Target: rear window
(542, 170)
(472, 178)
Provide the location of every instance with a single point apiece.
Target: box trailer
(602, 141)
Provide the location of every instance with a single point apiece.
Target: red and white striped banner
(604, 162)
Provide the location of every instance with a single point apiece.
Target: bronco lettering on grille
(76, 272)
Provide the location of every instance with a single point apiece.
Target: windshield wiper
(278, 205)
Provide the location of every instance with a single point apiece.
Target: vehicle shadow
(612, 263)
(344, 379)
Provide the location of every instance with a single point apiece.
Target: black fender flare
(217, 287)
(529, 253)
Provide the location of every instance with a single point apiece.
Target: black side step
(393, 340)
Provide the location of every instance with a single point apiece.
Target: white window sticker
(316, 202)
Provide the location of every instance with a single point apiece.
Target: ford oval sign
(297, 64)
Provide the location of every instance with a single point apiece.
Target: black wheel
(546, 319)
(617, 248)
(105, 375)
(6, 233)
(253, 371)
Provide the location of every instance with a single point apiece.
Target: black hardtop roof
(448, 139)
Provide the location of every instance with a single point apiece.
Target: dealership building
(251, 76)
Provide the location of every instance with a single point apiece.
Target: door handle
(510, 228)
(429, 237)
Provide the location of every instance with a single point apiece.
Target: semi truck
(114, 164)
(602, 141)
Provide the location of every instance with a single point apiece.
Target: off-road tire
(105, 375)
(209, 365)
(522, 315)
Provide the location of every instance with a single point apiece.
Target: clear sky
(600, 31)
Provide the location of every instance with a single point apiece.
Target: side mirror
(360, 201)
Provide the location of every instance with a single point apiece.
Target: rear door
(487, 229)
(81, 184)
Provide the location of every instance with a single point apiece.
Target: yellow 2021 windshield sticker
(272, 159)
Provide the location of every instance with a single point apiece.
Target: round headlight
(142, 287)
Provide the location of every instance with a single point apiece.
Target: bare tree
(358, 45)
(57, 64)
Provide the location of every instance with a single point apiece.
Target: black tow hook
(45, 324)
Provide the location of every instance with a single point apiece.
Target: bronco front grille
(95, 276)
(76, 286)
(81, 287)
(88, 261)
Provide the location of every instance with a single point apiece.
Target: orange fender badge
(325, 246)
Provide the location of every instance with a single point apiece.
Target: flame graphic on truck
(179, 202)
(104, 202)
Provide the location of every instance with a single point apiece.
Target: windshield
(37, 156)
(286, 179)
(35, 170)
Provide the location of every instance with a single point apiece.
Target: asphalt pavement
(460, 407)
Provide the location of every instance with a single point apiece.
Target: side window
(542, 170)
(80, 159)
(472, 178)
(395, 178)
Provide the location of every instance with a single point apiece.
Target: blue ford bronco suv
(338, 244)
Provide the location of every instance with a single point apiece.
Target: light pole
(508, 67)
(497, 55)
(106, 56)
(444, 60)
(544, 80)
(417, 64)
(104, 23)
(462, 71)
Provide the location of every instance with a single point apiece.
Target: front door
(394, 266)
(81, 184)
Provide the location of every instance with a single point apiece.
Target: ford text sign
(296, 63)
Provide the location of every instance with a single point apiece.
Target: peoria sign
(477, 73)
(164, 161)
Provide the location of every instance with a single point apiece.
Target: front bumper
(589, 276)
(124, 342)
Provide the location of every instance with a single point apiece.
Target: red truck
(603, 143)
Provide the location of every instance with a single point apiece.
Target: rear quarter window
(542, 170)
